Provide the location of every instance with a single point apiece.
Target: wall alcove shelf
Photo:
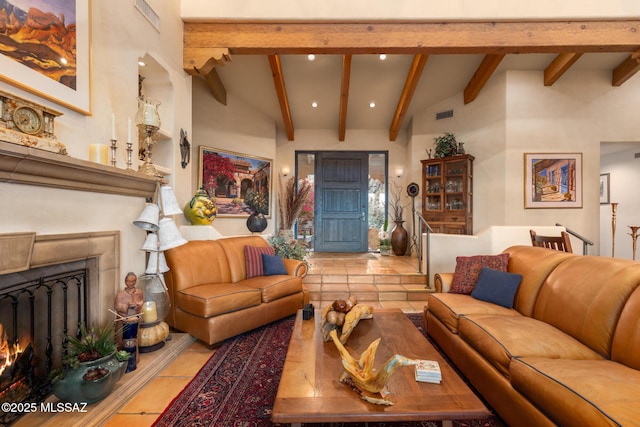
(31, 166)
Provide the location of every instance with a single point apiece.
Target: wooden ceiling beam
(625, 70)
(481, 76)
(619, 35)
(201, 62)
(344, 96)
(281, 91)
(216, 87)
(413, 78)
(559, 66)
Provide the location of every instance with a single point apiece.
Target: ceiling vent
(444, 114)
(148, 13)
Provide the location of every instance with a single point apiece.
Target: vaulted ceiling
(266, 65)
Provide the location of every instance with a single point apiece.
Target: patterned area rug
(238, 385)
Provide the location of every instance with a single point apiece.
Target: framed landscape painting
(53, 59)
(553, 180)
(238, 183)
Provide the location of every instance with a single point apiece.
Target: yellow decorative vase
(200, 210)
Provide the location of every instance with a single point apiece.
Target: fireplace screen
(35, 317)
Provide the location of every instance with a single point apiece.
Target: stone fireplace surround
(24, 250)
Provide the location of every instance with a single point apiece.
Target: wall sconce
(285, 170)
(399, 172)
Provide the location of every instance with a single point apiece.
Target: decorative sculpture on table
(362, 377)
(343, 316)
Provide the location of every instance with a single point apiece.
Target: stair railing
(585, 241)
(421, 249)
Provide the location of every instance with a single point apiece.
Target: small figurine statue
(129, 300)
(129, 305)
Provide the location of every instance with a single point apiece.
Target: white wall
(238, 128)
(407, 9)
(624, 170)
(119, 36)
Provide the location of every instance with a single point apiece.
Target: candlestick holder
(129, 155)
(149, 133)
(634, 237)
(113, 152)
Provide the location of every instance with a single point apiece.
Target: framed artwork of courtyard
(552, 180)
(239, 184)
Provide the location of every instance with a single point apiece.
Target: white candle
(113, 126)
(129, 129)
(99, 153)
(149, 312)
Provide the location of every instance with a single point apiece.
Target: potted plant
(399, 235)
(385, 241)
(445, 145)
(93, 365)
(259, 203)
(288, 249)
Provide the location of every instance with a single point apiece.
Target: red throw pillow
(468, 270)
(253, 259)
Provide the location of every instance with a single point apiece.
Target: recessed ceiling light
(314, 104)
(372, 104)
(141, 63)
(383, 57)
(311, 57)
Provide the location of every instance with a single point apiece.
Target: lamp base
(149, 169)
(151, 336)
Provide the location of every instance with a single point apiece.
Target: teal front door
(341, 201)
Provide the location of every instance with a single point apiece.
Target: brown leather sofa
(567, 354)
(211, 297)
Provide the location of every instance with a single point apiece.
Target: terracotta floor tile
(155, 396)
(131, 420)
(187, 364)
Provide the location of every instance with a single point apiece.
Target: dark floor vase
(399, 239)
(256, 223)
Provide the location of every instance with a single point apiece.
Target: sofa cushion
(468, 269)
(274, 287)
(498, 287)
(217, 298)
(580, 392)
(449, 307)
(500, 338)
(273, 265)
(253, 259)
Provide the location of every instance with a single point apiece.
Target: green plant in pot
(288, 249)
(93, 365)
(445, 145)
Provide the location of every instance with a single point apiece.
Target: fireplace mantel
(31, 166)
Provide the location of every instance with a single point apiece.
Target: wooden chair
(559, 243)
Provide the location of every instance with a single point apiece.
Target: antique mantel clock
(27, 123)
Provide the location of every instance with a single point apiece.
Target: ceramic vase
(200, 210)
(256, 223)
(399, 239)
(74, 389)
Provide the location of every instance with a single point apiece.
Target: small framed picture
(552, 180)
(604, 189)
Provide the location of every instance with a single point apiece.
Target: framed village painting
(239, 184)
(48, 53)
(553, 180)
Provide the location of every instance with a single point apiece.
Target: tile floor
(377, 280)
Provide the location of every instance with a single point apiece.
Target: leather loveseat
(567, 353)
(211, 296)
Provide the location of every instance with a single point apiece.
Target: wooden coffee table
(310, 390)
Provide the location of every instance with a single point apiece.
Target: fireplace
(49, 285)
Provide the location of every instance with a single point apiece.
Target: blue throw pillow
(498, 287)
(273, 265)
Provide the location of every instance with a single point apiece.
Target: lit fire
(8, 352)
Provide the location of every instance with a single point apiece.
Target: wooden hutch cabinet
(447, 194)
